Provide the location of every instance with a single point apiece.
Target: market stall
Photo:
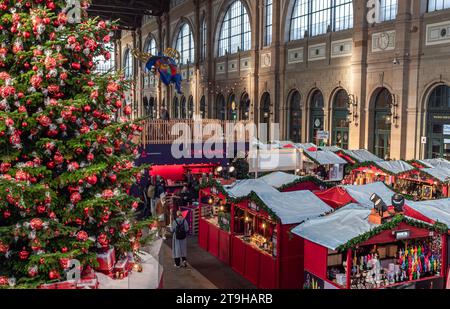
(216, 210)
(285, 182)
(324, 164)
(346, 250)
(263, 250)
(370, 172)
(358, 156)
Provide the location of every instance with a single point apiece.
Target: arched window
(220, 107)
(151, 47)
(340, 135)
(383, 119)
(183, 114)
(185, 44)
(388, 10)
(128, 67)
(244, 107)
(438, 120)
(268, 15)
(190, 107)
(204, 39)
(437, 5)
(203, 107)
(231, 107)
(235, 34)
(264, 116)
(295, 117)
(317, 114)
(176, 108)
(312, 17)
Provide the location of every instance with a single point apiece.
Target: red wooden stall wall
(238, 255)
(203, 231)
(316, 259)
(388, 237)
(224, 247)
(213, 241)
(291, 261)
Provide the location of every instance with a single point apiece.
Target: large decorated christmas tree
(66, 145)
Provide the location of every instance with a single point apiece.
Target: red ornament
(125, 227)
(92, 180)
(75, 197)
(3, 281)
(53, 275)
(24, 254)
(127, 110)
(90, 157)
(103, 240)
(135, 205)
(36, 245)
(64, 263)
(6, 214)
(113, 178)
(3, 247)
(108, 194)
(82, 236)
(36, 224)
(32, 271)
(76, 66)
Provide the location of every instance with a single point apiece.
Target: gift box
(106, 261)
(66, 285)
(121, 269)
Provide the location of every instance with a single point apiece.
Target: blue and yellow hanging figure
(165, 66)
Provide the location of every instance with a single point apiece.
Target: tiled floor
(205, 271)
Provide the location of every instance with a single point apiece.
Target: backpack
(180, 232)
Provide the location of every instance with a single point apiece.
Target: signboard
(323, 135)
(446, 129)
(400, 235)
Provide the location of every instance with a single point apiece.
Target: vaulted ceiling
(129, 12)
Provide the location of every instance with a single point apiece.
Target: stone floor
(204, 271)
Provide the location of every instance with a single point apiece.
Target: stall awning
(442, 174)
(362, 194)
(362, 156)
(338, 228)
(306, 146)
(295, 207)
(331, 148)
(243, 188)
(435, 210)
(279, 179)
(395, 167)
(324, 157)
(436, 163)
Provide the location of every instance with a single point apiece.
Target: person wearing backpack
(180, 229)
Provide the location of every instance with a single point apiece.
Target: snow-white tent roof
(338, 228)
(395, 167)
(279, 179)
(331, 148)
(324, 157)
(362, 194)
(295, 207)
(243, 188)
(436, 210)
(442, 173)
(437, 163)
(362, 155)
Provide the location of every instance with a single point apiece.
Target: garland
(312, 179)
(353, 243)
(256, 199)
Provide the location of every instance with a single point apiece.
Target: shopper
(180, 228)
(185, 196)
(161, 217)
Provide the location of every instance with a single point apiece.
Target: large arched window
(438, 123)
(203, 107)
(388, 10)
(317, 116)
(316, 17)
(176, 108)
(235, 34)
(220, 107)
(183, 108)
(185, 44)
(295, 117)
(128, 67)
(244, 107)
(151, 47)
(382, 127)
(437, 5)
(340, 119)
(190, 107)
(204, 39)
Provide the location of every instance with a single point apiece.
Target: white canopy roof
(279, 179)
(395, 167)
(437, 163)
(325, 157)
(442, 173)
(362, 194)
(363, 155)
(338, 228)
(436, 210)
(331, 148)
(295, 207)
(243, 188)
(305, 146)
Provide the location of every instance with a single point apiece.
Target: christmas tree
(67, 146)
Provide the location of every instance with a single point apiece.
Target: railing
(160, 131)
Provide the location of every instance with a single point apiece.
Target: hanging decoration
(164, 66)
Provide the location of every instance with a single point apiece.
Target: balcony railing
(181, 130)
